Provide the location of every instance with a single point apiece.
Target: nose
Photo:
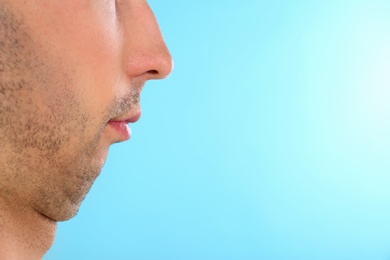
(146, 54)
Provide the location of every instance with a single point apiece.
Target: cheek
(85, 45)
(94, 52)
(88, 40)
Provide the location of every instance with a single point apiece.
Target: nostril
(153, 72)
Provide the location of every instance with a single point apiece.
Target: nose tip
(163, 67)
(152, 66)
(147, 54)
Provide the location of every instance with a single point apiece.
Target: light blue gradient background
(270, 140)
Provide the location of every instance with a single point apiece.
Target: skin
(67, 69)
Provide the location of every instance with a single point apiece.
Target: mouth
(122, 129)
(121, 126)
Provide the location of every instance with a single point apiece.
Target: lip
(121, 126)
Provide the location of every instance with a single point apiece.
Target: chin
(65, 215)
(65, 197)
(68, 214)
(61, 212)
(62, 206)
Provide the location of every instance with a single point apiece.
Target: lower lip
(122, 128)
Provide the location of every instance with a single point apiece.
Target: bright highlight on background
(271, 140)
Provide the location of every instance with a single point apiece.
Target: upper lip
(130, 118)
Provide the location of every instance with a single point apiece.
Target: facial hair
(51, 145)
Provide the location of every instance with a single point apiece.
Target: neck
(24, 232)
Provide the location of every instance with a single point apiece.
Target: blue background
(270, 140)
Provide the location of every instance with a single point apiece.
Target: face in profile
(71, 76)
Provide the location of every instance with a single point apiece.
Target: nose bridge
(146, 53)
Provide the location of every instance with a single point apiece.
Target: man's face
(69, 71)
